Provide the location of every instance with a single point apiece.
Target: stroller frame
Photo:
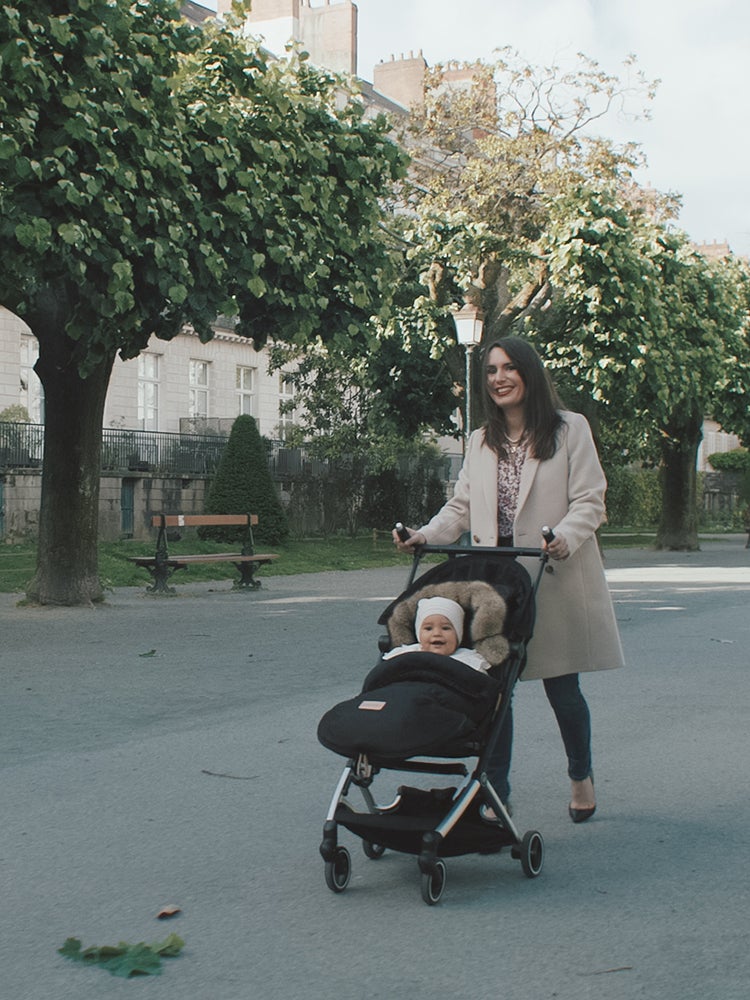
(463, 805)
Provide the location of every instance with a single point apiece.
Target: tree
(655, 332)
(362, 414)
(154, 175)
(495, 151)
(243, 485)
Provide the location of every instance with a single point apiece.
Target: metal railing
(161, 452)
(157, 452)
(21, 445)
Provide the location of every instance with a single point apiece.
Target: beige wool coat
(576, 629)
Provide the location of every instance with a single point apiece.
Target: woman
(535, 464)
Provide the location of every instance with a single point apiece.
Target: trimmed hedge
(243, 485)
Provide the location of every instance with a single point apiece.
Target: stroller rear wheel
(433, 883)
(373, 851)
(339, 870)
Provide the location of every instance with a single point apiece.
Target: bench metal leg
(160, 575)
(247, 579)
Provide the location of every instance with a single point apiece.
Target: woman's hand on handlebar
(415, 538)
(558, 547)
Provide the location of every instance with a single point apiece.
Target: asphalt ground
(160, 751)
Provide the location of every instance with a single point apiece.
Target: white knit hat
(440, 606)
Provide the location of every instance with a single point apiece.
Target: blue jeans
(573, 718)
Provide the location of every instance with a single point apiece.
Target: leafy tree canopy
(154, 174)
(645, 323)
(373, 404)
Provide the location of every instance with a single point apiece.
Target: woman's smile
(504, 382)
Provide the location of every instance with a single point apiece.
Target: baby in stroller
(434, 698)
(439, 626)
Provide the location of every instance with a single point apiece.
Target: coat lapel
(528, 473)
(489, 482)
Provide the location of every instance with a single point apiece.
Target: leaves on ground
(125, 959)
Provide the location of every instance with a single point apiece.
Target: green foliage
(243, 485)
(15, 414)
(364, 415)
(634, 497)
(350, 402)
(412, 492)
(737, 464)
(737, 460)
(125, 960)
(509, 142)
(648, 325)
(154, 174)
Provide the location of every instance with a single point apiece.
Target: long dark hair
(541, 401)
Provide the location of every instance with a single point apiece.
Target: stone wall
(150, 494)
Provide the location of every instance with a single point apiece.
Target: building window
(245, 385)
(148, 392)
(198, 399)
(286, 406)
(31, 395)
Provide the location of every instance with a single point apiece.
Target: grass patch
(314, 555)
(317, 555)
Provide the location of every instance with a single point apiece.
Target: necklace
(514, 443)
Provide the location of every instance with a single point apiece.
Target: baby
(439, 625)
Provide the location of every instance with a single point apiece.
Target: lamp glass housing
(468, 321)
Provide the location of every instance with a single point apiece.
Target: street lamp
(469, 320)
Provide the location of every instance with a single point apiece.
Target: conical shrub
(243, 485)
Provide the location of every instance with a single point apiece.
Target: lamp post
(469, 320)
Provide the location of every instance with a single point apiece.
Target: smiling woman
(535, 464)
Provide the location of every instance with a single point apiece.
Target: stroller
(422, 713)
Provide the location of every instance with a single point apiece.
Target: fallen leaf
(125, 960)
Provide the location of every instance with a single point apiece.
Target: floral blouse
(508, 486)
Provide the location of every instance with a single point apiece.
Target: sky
(697, 142)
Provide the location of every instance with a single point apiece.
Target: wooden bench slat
(205, 520)
(221, 557)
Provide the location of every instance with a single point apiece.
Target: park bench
(161, 565)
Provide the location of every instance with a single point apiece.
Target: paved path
(164, 751)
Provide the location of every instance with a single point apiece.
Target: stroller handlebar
(451, 551)
(510, 550)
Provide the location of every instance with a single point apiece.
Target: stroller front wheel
(532, 853)
(433, 883)
(339, 870)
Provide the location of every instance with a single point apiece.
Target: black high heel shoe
(581, 815)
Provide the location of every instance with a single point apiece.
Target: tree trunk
(678, 527)
(67, 570)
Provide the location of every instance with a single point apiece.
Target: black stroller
(419, 706)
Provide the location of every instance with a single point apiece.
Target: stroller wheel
(339, 871)
(433, 883)
(373, 851)
(532, 853)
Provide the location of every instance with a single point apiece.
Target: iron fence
(158, 452)
(21, 445)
